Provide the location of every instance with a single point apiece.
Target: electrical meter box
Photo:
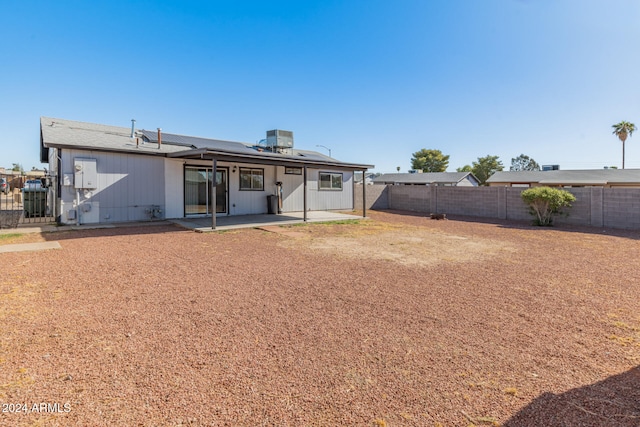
(85, 173)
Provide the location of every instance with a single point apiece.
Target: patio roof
(265, 158)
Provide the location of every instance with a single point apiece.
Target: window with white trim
(251, 179)
(292, 171)
(330, 181)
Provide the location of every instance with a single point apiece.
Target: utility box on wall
(85, 173)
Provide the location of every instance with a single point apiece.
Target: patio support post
(304, 193)
(364, 195)
(214, 172)
(353, 191)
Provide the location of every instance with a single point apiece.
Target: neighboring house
(14, 178)
(103, 174)
(449, 179)
(36, 173)
(368, 179)
(629, 178)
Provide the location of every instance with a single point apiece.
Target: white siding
(174, 188)
(243, 202)
(250, 202)
(292, 191)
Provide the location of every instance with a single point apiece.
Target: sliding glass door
(197, 191)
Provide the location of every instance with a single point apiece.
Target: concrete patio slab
(24, 247)
(254, 221)
(202, 224)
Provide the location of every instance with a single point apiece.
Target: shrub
(545, 202)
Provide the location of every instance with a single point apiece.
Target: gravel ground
(398, 321)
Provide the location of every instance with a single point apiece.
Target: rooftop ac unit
(279, 139)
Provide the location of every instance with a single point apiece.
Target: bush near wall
(546, 202)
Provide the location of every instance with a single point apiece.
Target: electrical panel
(85, 173)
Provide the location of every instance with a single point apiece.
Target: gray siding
(292, 191)
(128, 186)
(323, 200)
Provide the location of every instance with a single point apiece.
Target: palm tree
(622, 130)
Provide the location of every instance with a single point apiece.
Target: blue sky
(374, 80)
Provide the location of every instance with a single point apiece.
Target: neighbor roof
(71, 134)
(423, 178)
(568, 177)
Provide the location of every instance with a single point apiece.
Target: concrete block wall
(621, 208)
(580, 211)
(516, 209)
(410, 198)
(471, 201)
(594, 206)
(597, 204)
(377, 197)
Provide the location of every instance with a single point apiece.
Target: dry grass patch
(404, 244)
(14, 238)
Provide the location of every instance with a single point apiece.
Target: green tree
(622, 130)
(524, 163)
(546, 202)
(486, 166)
(465, 168)
(17, 167)
(429, 161)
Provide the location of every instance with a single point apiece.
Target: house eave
(104, 149)
(276, 160)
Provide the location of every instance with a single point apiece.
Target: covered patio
(250, 156)
(232, 222)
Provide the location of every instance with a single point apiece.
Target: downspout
(77, 207)
(58, 191)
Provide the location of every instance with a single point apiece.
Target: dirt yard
(395, 321)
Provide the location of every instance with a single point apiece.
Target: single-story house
(368, 179)
(104, 174)
(449, 179)
(629, 178)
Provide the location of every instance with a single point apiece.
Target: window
(330, 181)
(252, 179)
(293, 171)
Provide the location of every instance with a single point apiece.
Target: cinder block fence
(594, 206)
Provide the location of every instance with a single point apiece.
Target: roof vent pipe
(159, 137)
(133, 126)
